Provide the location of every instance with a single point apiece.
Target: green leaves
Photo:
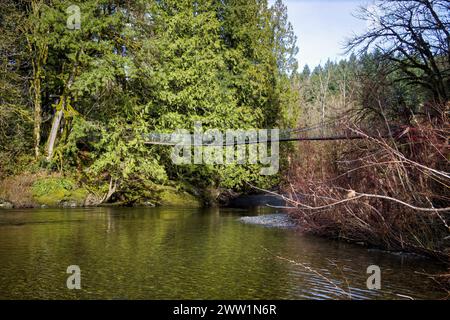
(145, 66)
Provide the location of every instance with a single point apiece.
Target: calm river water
(163, 253)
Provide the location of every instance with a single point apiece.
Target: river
(167, 253)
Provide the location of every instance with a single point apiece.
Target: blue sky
(322, 27)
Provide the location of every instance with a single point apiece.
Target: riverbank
(43, 190)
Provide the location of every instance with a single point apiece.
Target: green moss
(170, 196)
(79, 195)
(58, 191)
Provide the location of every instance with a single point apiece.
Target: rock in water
(278, 220)
(5, 204)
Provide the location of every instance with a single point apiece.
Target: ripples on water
(163, 253)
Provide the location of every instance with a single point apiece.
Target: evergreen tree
(285, 40)
(133, 68)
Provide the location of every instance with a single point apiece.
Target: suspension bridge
(332, 130)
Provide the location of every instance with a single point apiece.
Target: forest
(77, 101)
(77, 104)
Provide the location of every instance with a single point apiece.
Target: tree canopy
(87, 95)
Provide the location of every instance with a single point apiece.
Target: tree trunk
(37, 119)
(111, 191)
(60, 113)
(38, 49)
(54, 132)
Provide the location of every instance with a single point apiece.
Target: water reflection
(163, 253)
